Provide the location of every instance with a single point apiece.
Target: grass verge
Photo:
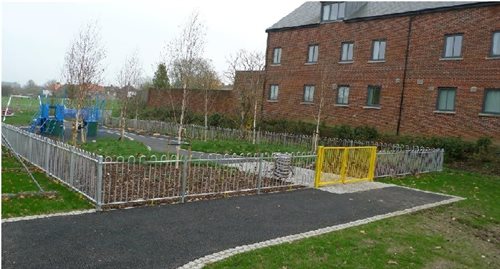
(461, 235)
(15, 180)
(111, 146)
(238, 147)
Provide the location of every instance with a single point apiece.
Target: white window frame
(495, 44)
(312, 53)
(453, 46)
(379, 47)
(343, 95)
(309, 93)
(347, 50)
(277, 55)
(273, 92)
(333, 11)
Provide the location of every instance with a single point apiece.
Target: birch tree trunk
(181, 125)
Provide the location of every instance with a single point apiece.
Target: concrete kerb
(71, 213)
(201, 262)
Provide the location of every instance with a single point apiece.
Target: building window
(373, 98)
(453, 46)
(343, 95)
(308, 93)
(495, 44)
(277, 56)
(491, 101)
(333, 11)
(347, 52)
(273, 92)
(312, 55)
(446, 99)
(378, 50)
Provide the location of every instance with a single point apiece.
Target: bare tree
(324, 88)
(208, 82)
(128, 81)
(249, 64)
(185, 50)
(83, 69)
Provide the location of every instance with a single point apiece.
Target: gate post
(99, 186)
(319, 166)
(343, 169)
(373, 157)
(184, 178)
(259, 179)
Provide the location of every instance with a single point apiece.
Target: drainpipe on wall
(401, 102)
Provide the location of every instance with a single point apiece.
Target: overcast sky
(36, 35)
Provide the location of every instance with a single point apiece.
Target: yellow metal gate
(336, 165)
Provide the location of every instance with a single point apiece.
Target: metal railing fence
(75, 167)
(113, 181)
(192, 131)
(405, 162)
(130, 180)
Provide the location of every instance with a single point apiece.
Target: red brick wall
(427, 41)
(475, 70)
(221, 101)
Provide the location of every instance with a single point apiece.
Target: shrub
(483, 144)
(366, 133)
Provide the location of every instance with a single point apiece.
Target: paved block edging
(201, 262)
(71, 213)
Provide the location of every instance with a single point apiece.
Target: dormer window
(333, 11)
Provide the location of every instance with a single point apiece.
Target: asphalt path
(169, 236)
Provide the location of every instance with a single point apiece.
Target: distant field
(23, 104)
(25, 108)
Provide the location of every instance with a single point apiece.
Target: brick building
(420, 68)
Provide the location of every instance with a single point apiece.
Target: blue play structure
(49, 119)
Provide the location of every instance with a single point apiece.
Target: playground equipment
(50, 118)
(6, 112)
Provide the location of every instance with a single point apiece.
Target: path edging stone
(218, 256)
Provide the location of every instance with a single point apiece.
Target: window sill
(372, 107)
(311, 63)
(307, 103)
(341, 105)
(376, 61)
(346, 62)
(272, 101)
(451, 59)
(445, 112)
(493, 57)
(488, 115)
(275, 64)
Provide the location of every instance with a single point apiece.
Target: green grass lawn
(15, 180)
(24, 110)
(465, 234)
(111, 146)
(21, 118)
(234, 146)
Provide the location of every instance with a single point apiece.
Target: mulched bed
(136, 184)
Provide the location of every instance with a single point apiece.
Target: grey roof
(309, 13)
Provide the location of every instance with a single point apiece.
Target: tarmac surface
(169, 236)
